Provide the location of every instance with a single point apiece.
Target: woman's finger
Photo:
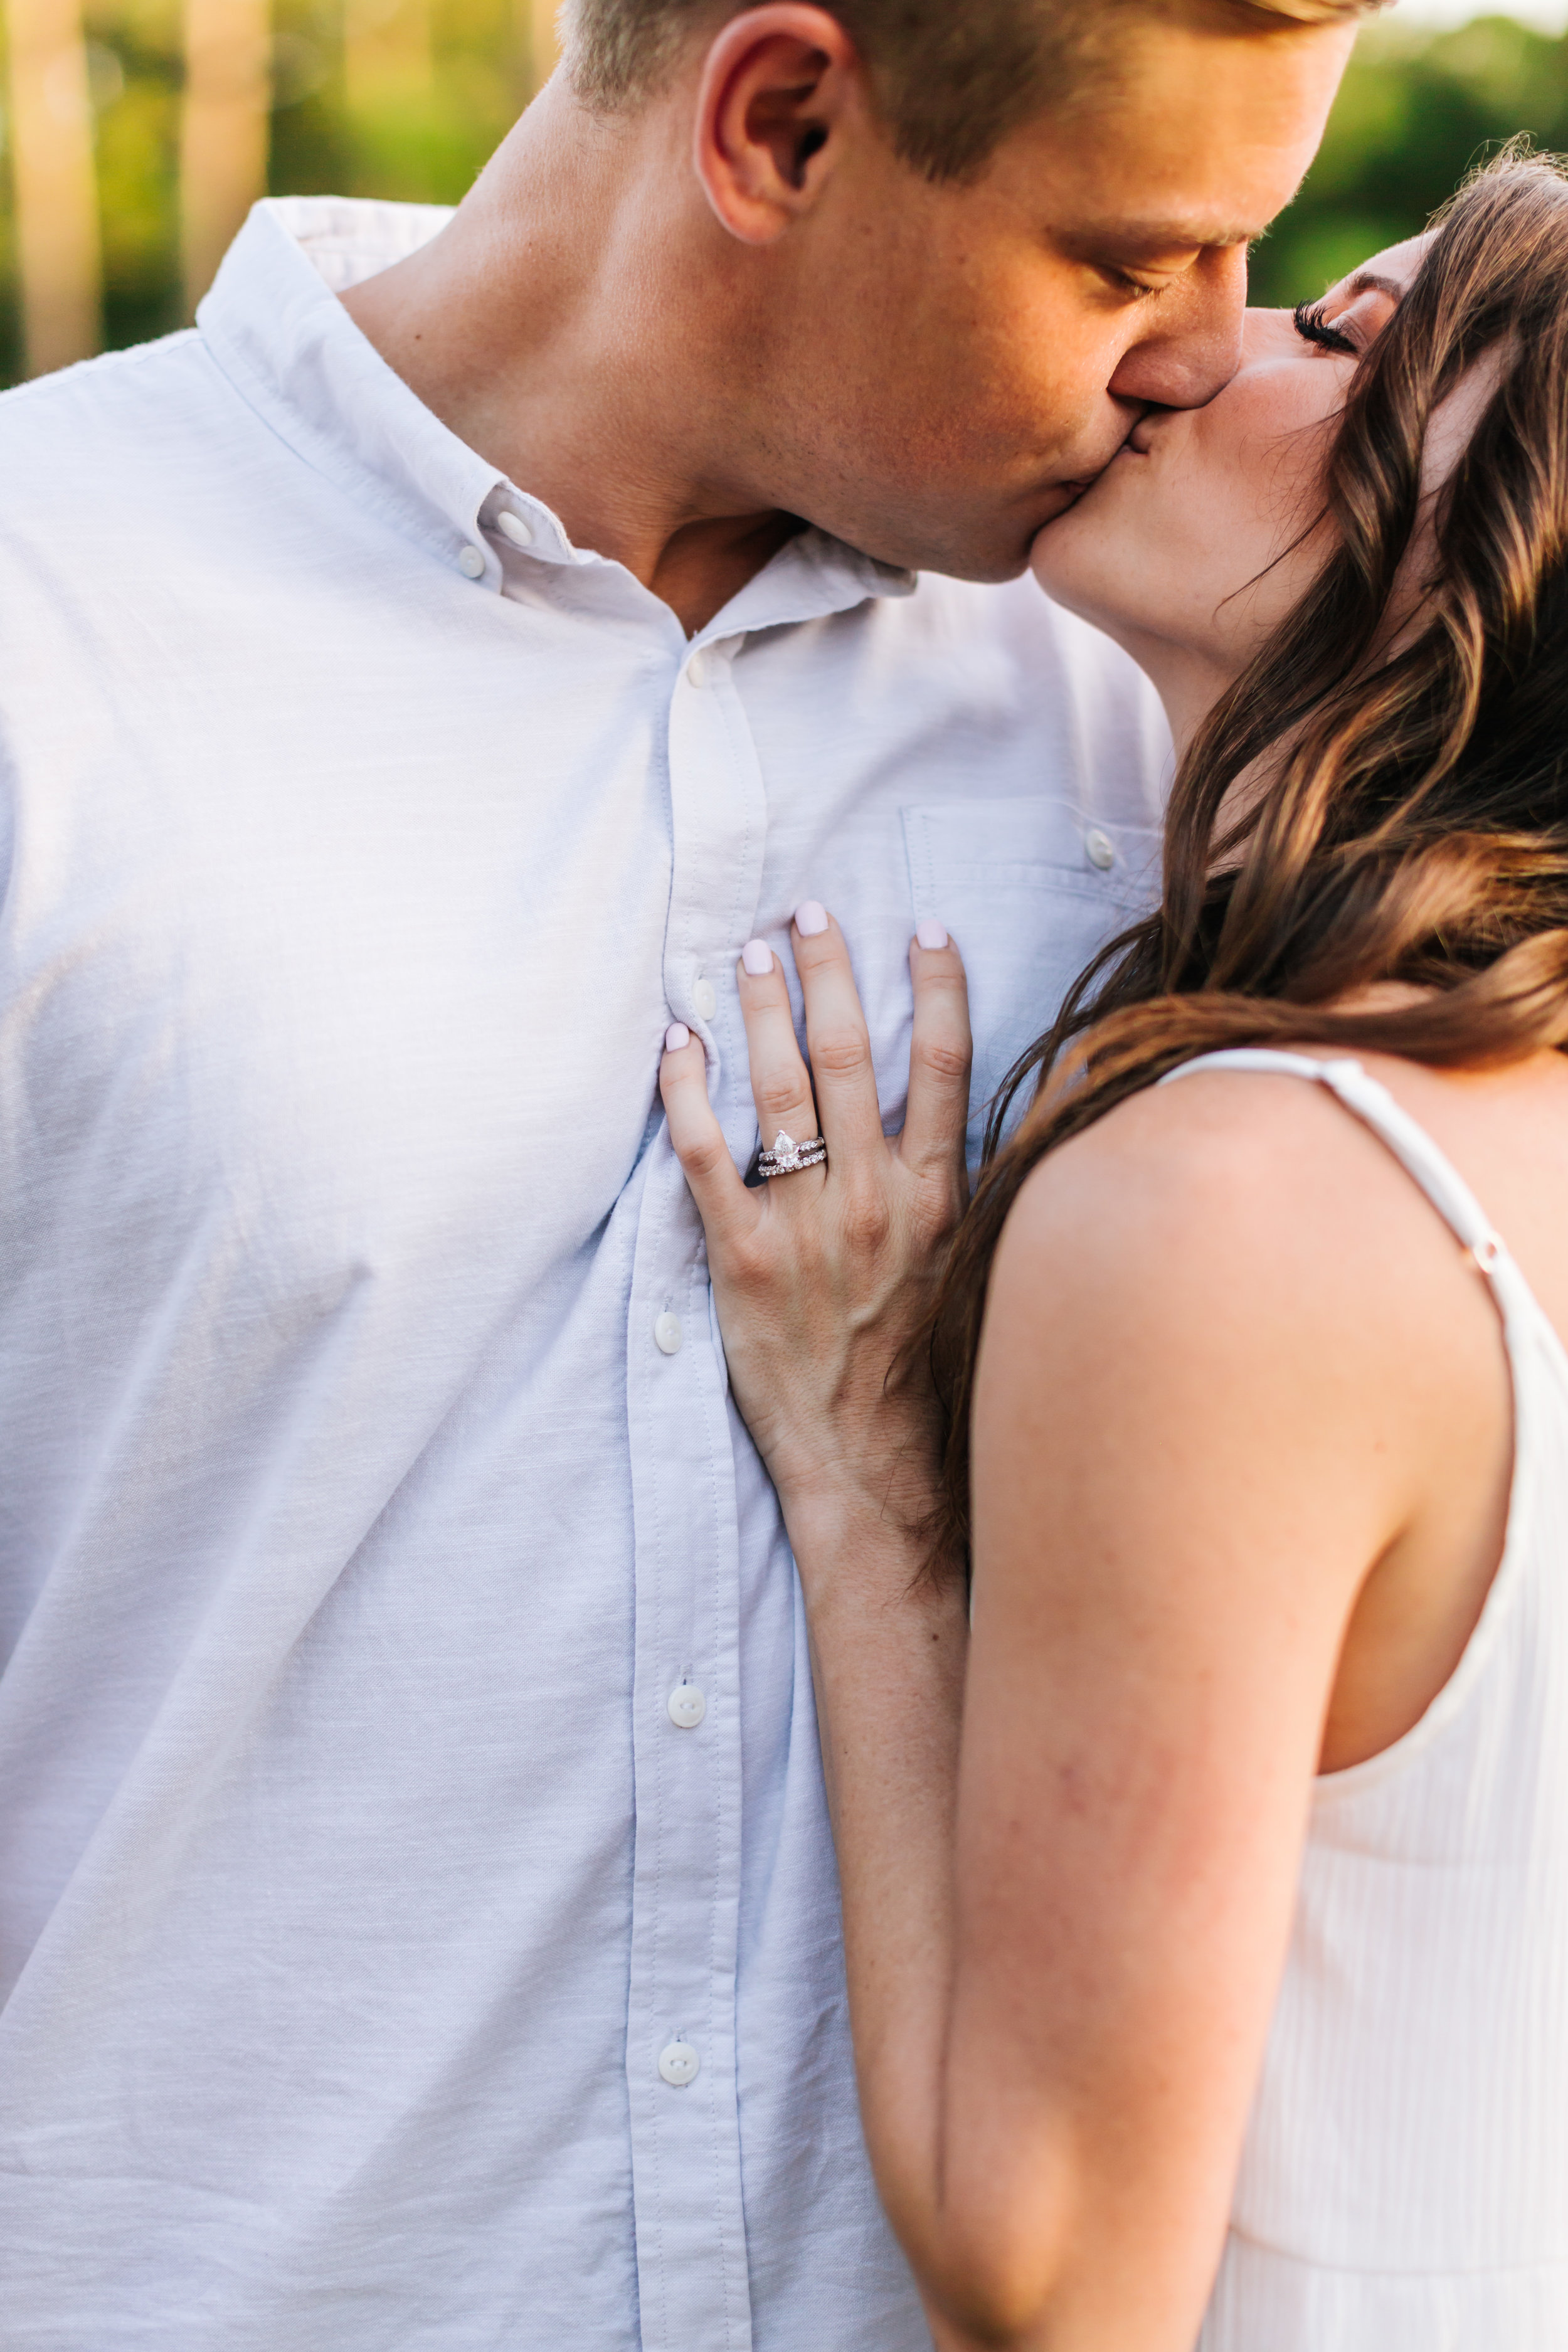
(837, 1037)
(781, 1082)
(726, 1208)
(939, 1053)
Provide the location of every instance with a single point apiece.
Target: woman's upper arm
(1181, 1478)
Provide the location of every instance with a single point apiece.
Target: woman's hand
(821, 1277)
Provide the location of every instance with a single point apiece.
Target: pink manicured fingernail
(758, 958)
(931, 934)
(677, 1035)
(811, 918)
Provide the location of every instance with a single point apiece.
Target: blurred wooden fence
(229, 72)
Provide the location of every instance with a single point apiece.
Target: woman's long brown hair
(1413, 826)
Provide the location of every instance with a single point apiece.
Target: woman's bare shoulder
(1219, 1165)
(1225, 1223)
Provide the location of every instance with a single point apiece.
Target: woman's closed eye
(1314, 328)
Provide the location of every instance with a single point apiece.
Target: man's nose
(1193, 345)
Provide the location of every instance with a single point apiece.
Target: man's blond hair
(953, 78)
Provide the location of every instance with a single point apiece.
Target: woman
(1220, 1872)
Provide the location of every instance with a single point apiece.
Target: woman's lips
(1063, 497)
(1068, 493)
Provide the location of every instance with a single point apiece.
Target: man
(420, 1917)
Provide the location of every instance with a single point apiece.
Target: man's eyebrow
(1125, 237)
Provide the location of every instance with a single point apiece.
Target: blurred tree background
(136, 133)
(1412, 115)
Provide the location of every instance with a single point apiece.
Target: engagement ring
(788, 1157)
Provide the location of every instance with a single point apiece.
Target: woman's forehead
(1388, 272)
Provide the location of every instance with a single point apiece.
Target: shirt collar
(276, 329)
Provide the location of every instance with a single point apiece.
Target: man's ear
(781, 87)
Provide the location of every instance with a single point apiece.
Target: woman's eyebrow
(1371, 281)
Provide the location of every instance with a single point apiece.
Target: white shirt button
(1100, 847)
(705, 1000)
(512, 526)
(688, 1706)
(678, 2062)
(666, 1334)
(699, 668)
(471, 564)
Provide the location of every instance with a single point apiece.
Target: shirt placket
(681, 2044)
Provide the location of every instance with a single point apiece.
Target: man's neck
(547, 327)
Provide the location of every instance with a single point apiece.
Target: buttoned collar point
(275, 327)
(523, 529)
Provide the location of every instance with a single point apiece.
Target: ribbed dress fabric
(1404, 2184)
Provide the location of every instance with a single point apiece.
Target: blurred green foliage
(1415, 114)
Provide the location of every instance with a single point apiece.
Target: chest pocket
(1030, 889)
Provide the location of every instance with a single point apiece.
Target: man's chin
(1012, 550)
(996, 549)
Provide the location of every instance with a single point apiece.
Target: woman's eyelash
(1313, 328)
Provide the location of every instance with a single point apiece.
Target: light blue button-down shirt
(370, 1478)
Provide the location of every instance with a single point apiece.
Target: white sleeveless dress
(1403, 2186)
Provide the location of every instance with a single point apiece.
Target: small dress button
(666, 1333)
(471, 564)
(687, 1706)
(678, 2062)
(699, 668)
(705, 1000)
(512, 526)
(1100, 847)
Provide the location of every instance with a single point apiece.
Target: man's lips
(1067, 494)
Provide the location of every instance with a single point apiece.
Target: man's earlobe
(779, 86)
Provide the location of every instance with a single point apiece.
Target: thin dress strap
(1370, 1102)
